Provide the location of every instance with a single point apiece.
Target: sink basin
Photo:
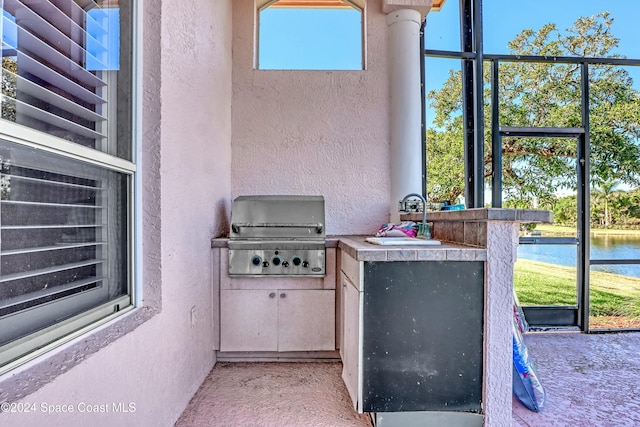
(401, 241)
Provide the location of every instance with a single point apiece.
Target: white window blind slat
(22, 299)
(63, 15)
(56, 17)
(77, 9)
(71, 68)
(45, 227)
(58, 268)
(50, 182)
(52, 98)
(57, 247)
(56, 79)
(33, 112)
(53, 205)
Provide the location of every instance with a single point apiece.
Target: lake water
(602, 247)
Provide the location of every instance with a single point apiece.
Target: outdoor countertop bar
(463, 237)
(486, 214)
(360, 250)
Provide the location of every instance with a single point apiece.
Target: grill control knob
(305, 264)
(276, 261)
(296, 260)
(285, 264)
(256, 260)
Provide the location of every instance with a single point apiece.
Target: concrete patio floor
(273, 395)
(590, 380)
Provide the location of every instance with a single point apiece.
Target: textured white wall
(186, 168)
(502, 252)
(314, 132)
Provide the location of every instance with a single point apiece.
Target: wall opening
(310, 35)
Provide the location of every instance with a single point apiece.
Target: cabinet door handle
(272, 295)
(283, 295)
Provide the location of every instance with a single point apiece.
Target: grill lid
(278, 217)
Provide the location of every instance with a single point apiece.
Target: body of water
(621, 247)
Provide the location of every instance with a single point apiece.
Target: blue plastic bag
(526, 385)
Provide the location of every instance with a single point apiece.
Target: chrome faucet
(403, 208)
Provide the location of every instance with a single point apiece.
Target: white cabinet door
(277, 320)
(351, 338)
(306, 320)
(249, 320)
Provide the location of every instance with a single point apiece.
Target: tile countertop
(360, 250)
(486, 214)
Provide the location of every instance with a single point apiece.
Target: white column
(405, 106)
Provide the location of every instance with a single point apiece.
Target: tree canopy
(544, 95)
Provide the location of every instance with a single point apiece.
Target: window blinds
(62, 234)
(65, 209)
(55, 55)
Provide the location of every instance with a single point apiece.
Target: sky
(504, 19)
(310, 39)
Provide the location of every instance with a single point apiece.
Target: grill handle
(237, 226)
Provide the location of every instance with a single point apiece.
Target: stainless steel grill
(277, 236)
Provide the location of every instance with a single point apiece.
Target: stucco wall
(186, 190)
(314, 132)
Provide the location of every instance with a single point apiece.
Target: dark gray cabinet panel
(422, 343)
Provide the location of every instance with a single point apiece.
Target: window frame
(37, 343)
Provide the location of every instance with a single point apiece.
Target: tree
(565, 211)
(603, 192)
(9, 87)
(625, 208)
(545, 95)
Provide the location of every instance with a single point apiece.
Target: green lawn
(539, 283)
